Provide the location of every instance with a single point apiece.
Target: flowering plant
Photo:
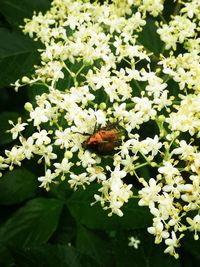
(118, 108)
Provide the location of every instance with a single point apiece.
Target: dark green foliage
(32, 224)
(18, 54)
(150, 39)
(15, 11)
(17, 186)
(47, 256)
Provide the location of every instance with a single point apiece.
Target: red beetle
(104, 140)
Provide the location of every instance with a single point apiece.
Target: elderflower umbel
(101, 77)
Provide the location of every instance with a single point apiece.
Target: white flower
(168, 170)
(3, 165)
(191, 8)
(149, 193)
(87, 158)
(129, 164)
(81, 179)
(96, 172)
(41, 138)
(82, 94)
(158, 230)
(144, 105)
(99, 115)
(175, 186)
(99, 79)
(51, 70)
(195, 162)
(120, 111)
(47, 154)
(172, 243)
(134, 242)
(150, 145)
(194, 225)
(14, 156)
(17, 128)
(63, 138)
(185, 150)
(47, 179)
(28, 146)
(38, 115)
(63, 167)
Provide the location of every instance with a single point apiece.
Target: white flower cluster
(185, 68)
(153, 7)
(178, 30)
(172, 195)
(182, 27)
(107, 92)
(186, 118)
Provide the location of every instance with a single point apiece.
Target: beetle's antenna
(95, 126)
(84, 134)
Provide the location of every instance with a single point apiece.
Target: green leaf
(66, 230)
(17, 186)
(150, 39)
(18, 54)
(5, 137)
(191, 245)
(6, 259)
(47, 255)
(33, 224)
(91, 244)
(16, 10)
(94, 217)
(147, 255)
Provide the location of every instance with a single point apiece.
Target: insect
(104, 140)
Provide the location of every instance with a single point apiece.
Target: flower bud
(68, 154)
(103, 106)
(28, 106)
(25, 79)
